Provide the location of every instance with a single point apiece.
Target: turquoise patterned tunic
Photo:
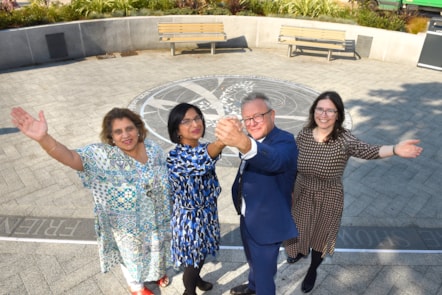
(195, 191)
(132, 208)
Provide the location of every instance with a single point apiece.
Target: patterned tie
(238, 200)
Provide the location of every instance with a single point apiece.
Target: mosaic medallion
(218, 96)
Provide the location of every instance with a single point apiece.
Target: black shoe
(242, 290)
(296, 259)
(309, 281)
(204, 286)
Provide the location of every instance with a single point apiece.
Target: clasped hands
(229, 131)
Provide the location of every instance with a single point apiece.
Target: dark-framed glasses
(258, 118)
(328, 112)
(188, 122)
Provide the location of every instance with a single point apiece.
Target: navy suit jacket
(267, 184)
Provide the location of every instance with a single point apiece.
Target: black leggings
(191, 276)
(316, 259)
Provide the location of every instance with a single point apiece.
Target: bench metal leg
(289, 52)
(329, 55)
(172, 49)
(212, 48)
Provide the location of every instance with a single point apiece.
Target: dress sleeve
(359, 149)
(93, 157)
(184, 160)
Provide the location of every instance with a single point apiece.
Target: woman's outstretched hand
(38, 131)
(28, 125)
(408, 148)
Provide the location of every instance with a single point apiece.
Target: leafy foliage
(388, 20)
(46, 12)
(311, 8)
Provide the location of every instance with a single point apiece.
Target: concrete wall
(73, 40)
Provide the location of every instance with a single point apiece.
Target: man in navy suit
(262, 189)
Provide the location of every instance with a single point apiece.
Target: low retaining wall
(80, 39)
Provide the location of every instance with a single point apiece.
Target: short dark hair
(120, 113)
(337, 101)
(176, 115)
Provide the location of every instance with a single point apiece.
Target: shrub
(8, 5)
(311, 8)
(180, 11)
(216, 11)
(387, 20)
(155, 4)
(122, 7)
(41, 12)
(417, 25)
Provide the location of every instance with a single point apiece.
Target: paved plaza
(391, 237)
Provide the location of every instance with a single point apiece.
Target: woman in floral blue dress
(127, 175)
(195, 190)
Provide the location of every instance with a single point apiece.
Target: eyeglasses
(258, 118)
(188, 122)
(328, 112)
(128, 129)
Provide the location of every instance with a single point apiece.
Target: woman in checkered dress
(324, 149)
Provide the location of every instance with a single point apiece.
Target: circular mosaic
(218, 96)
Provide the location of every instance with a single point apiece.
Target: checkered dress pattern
(318, 195)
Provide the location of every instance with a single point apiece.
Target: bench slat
(193, 38)
(315, 44)
(312, 33)
(191, 32)
(173, 28)
(312, 37)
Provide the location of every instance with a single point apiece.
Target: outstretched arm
(38, 131)
(404, 149)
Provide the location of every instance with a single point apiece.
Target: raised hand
(229, 132)
(28, 125)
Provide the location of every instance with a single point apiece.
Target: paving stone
(386, 102)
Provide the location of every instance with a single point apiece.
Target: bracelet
(394, 152)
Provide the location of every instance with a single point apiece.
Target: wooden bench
(312, 38)
(191, 32)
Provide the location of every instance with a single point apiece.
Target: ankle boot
(203, 285)
(309, 281)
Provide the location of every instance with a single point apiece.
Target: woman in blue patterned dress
(195, 190)
(127, 175)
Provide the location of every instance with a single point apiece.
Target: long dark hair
(176, 115)
(120, 113)
(337, 101)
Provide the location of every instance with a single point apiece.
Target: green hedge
(39, 12)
